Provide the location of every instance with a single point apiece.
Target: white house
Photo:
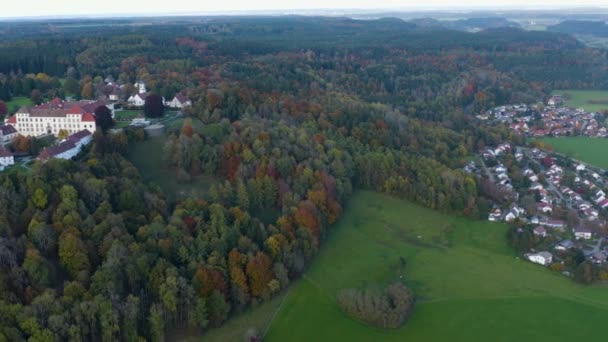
(179, 101)
(580, 167)
(541, 258)
(514, 213)
(536, 186)
(582, 233)
(544, 207)
(138, 99)
(6, 158)
(495, 215)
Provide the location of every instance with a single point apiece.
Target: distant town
(552, 119)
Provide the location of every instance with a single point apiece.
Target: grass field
(470, 285)
(126, 114)
(589, 150)
(590, 100)
(17, 102)
(148, 158)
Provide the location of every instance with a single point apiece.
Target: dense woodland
(296, 114)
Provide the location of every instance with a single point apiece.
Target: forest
(297, 112)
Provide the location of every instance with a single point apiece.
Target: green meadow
(470, 286)
(587, 149)
(590, 100)
(17, 102)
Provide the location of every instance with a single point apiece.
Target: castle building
(55, 116)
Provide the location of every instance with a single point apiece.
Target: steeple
(142, 87)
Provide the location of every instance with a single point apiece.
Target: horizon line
(304, 12)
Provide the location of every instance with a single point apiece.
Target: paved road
(597, 246)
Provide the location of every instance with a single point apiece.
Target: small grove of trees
(389, 308)
(154, 107)
(103, 118)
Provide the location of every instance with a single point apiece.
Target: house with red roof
(55, 116)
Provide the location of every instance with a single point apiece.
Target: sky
(33, 8)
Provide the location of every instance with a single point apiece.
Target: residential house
(7, 133)
(138, 99)
(598, 258)
(495, 215)
(536, 186)
(564, 245)
(541, 258)
(514, 213)
(544, 207)
(582, 233)
(553, 223)
(540, 231)
(179, 101)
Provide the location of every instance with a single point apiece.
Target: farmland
(590, 100)
(461, 270)
(586, 149)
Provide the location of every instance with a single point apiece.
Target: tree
(217, 308)
(3, 108)
(154, 107)
(156, 323)
(63, 134)
(584, 273)
(103, 118)
(39, 198)
(36, 96)
(71, 86)
(87, 90)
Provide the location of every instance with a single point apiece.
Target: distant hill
(469, 24)
(594, 28)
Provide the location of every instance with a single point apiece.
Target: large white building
(55, 116)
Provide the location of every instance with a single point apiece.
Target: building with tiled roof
(179, 101)
(68, 148)
(7, 133)
(55, 116)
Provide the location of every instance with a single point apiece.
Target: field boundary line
(274, 314)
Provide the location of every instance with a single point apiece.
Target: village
(557, 205)
(67, 126)
(552, 119)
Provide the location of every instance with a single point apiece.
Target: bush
(385, 309)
